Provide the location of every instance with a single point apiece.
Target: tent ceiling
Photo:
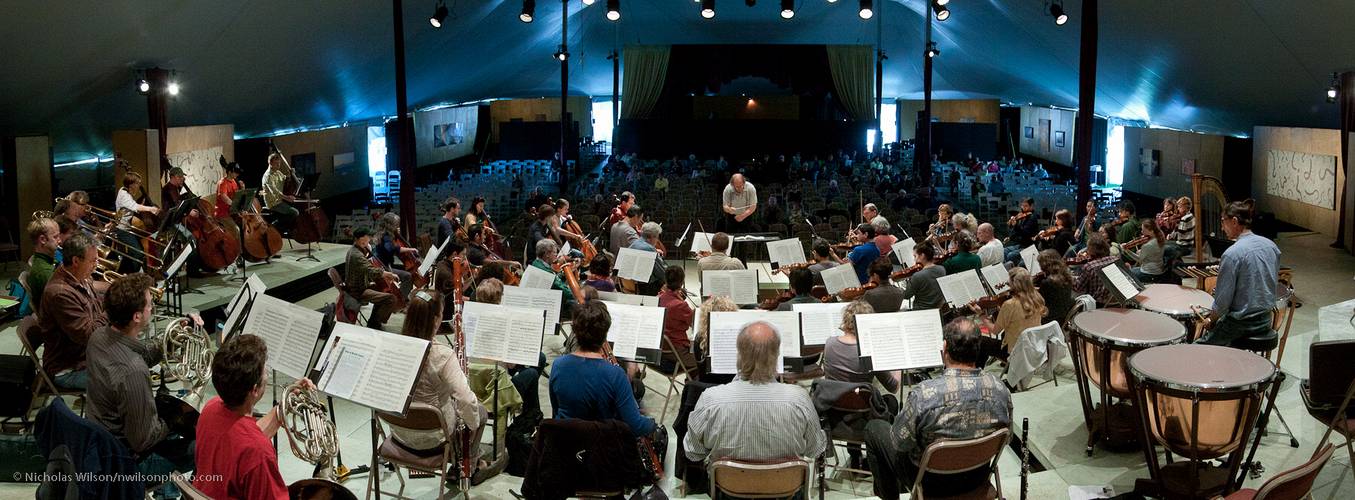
(1216, 66)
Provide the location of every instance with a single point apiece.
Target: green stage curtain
(853, 69)
(646, 68)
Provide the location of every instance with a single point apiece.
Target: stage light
(932, 51)
(1056, 10)
(787, 9)
(528, 11)
(940, 3)
(942, 13)
(561, 56)
(1334, 89)
(588, 2)
(613, 10)
(173, 88)
(439, 15)
(707, 8)
(143, 86)
(867, 9)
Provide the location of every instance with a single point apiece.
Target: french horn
(188, 355)
(310, 432)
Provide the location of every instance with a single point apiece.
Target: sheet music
(564, 250)
(634, 327)
(785, 252)
(546, 301)
(724, 334)
(838, 278)
(997, 277)
(178, 262)
(1031, 257)
(502, 333)
(635, 264)
(629, 299)
(1121, 282)
(818, 322)
(963, 288)
(900, 340)
(903, 250)
(701, 242)
(372, 368)
(535, 277)
(253, 287)
(738, 285)
(290, 332)
(430, 258)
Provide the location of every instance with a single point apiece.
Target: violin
(906, 272)
(853, 293)
(772, 303)
(1047, 233)
(1135, 243)
(786, 269)
(1018, 217)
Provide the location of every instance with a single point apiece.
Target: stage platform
(286, 277)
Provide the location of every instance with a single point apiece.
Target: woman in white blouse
(126, 205)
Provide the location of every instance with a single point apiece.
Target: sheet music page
(621, 298)
(372, 368)
(1121, 282)
(535, 277)
(502, 333)
(253, 286)
(785, 252)
(724, 334)
(903, 250)
(564, 250)
(290, 332)
(1031, 257)
(840, 277)
(818, 322)
(178, 262)
(635, 264)
(997, 277)
(634, 327)
(701, 242)
(739, 285)
(961, 289)
(430, 258)
(547, 301)
(900, 340)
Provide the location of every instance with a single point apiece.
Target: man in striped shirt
(754, 417)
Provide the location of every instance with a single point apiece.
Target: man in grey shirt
(120, 395)
(922, 286)
(719, 260)
(823, 253)
(623, 232)
(885, 297)
(740, 201)
(1248, 275)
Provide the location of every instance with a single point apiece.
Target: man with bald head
(990, 249)
(740, 201)
(755, 417)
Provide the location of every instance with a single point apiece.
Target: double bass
(262, 240)
(217, 247)
(313, 223)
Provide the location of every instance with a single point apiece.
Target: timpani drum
(1199, 402)
(1176, 301)
(1102, 342)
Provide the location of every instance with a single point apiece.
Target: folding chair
(778, 478)
(680, 370)
(43, 385)
(348, 309)
(1295, 483)
(1037, 349)
(954, 457)
(419, 417)
(853, 403)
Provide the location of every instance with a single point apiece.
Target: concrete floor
(1323, 278)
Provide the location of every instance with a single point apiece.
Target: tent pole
(1086, 105)
(404, 142)
(564, 96)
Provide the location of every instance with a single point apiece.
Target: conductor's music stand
(240, 202)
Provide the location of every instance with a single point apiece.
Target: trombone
(105, 216)
(109, 276)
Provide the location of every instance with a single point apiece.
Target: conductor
(740, 201)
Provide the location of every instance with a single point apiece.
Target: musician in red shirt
(225, 190)
(235, 457)
(676, 321)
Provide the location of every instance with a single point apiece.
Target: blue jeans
(77, 379)
(526, 380)
(175, 453)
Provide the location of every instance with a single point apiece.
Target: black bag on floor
(518, 441)
(16, 384)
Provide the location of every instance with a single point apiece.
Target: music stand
(240, 202)
(172, 221)
(308, 183)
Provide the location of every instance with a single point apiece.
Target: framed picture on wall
(1059, 139)
(1150, 162)
(1187, 167)
(1030, 132)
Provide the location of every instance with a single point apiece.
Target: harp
(1209, 201)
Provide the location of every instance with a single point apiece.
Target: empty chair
(758, 479)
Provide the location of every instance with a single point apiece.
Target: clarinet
(1025, 457)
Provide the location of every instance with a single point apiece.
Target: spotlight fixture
(708, 9)
(787, 9)
(528, 11)
(832, 1)
(1334, 89)
(942, 13)
(143, 86)
(940, 3)
(588, 2)
(932, 51)
(173, 88)
(867, 9)
(613, 10)
(439, 15)
(561, 56)
(1056, 10)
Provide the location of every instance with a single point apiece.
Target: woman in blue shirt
(584, 384)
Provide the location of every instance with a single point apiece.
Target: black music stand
(241, 202)
(308, 182)
(172, 222)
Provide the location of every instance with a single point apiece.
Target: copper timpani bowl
(1118, 334)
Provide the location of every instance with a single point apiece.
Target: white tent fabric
(1216, 66)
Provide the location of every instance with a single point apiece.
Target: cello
(387, 285)
(410, 261)
(586, 247)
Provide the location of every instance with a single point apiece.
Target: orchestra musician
(275, 198)
(824, 258)
(69, 313)
(175, 190)
(584, 384)
(225, 190)
(360, 274)
(739, 203)
(1085, 228)
(963, 258)
(476, 214)
(540, 229)
(801, 284)
(1061, 236)
(1024, 227)
(1150, 268)
(443, 280)
(964, 222)
(476, 251)
(547, 253)
(677, 319)
(990, 248)
(719, 259)
(1056, 286)
(525, 378)
(558, 227)
(715, 303)
(884, 242)
(388, 252)
(1088, 278)
(126, 202)
(450, 222)
(869, 212)
(46, 237)
(626, 231)
(649, 242)
(624, 201)
(942, 226)
(1244, 296)
(864, 253)
(1127, 224)
(922, 287)
(1025, 309)
(600, 274)
(1181, 239)
(1166, 219)
(884, 297)
(73, 207)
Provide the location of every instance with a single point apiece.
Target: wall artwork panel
(202, 169)
(448, 134)
(1302, 177)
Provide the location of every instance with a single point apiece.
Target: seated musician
(225, 190)
(235, 458)
(823, 255)
(1056, 286)
(46, 237)
(801, 284)
(540, 229)
(441, 382)
(869, 212)
(716, 303)
(69, 229)
(1244, 296)
(1181, 240)
(444, 280)
(389, 253)
(584, 384)
(525, 378)
(120, 397)
(1085, 228)
(176, 190)
(922, 287)
(963, 403)
(650, 233)
(1127, 225)
(624, 201)
(69, 313)
(677, 320)
(864, 252)
(275, 198)
(625, 232)
(450, 222)
(990, 248)
(477, 214)
(966, 223)
(842, 358)
(558, 228)
(885, 297)
(942, 226)
(754, 417)
(1089, 277)
(600, 274)
(964, 258)
(359, 275)
(1024, 309)
(884, 242)
(1149, 268)
(126, 202)
(546, 256)
(476, 251)
(73, 207)
(719, 259)
(1024, 228)
(1062, 239)
(1166, 219)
